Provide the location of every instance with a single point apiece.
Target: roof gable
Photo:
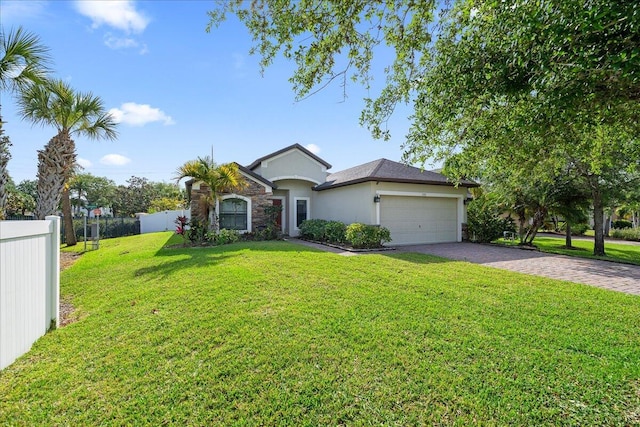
(299, 147)
(387, 171)
(255, 177)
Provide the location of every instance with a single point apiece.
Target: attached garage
(417, 206)
(417, 220)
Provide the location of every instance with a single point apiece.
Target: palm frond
(57, 104)
(35, 104)
(24, 60)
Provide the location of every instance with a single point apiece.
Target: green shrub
(199, 231)
(632, 234)
(485, 225)
(367, 236)
(579, 229)
(313, 229)
(224, 237)
(621, 223)
(335, 231)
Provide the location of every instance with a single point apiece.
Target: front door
(278, 202)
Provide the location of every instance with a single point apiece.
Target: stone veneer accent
(256, 192)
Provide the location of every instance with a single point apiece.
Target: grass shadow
(417, 258)
(195, 261)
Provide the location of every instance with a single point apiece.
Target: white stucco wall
(349, 204)
(292, 165)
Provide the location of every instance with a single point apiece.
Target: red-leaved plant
(181, 227)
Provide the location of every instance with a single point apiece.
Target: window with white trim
(302, 211)
(233, 214)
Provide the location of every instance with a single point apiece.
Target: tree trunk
(567, 240)
(607, 225)
(598, 214)
(522, 220)
(4, 173)
(538, 221)
(67, 217)
(54, 164)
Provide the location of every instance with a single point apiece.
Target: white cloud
(120, 14)
(139, 114)
(114, 160)
(115, 42)
(21, 10)
(84, 162)
(313, 148)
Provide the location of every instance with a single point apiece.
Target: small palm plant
(219, 179)
(72, 113)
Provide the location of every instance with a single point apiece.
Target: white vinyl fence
(29, 284)
(161, 221)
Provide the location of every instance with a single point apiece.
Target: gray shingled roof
(387, 171)
(257, 162)
(256, 176)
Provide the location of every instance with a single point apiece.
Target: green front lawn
(279, 334)
(617, 252)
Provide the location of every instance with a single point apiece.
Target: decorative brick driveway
(603, 274)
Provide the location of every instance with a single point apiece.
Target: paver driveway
(604, 274)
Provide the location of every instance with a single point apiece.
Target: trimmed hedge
(632, 234)
(313, 229)
(367, 236)
(335, 232)
(358, 235)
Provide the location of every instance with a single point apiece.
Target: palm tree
(67, 214)
(23, 62)
(219, 179)
(57, 104)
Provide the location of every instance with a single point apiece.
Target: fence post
(53, 288)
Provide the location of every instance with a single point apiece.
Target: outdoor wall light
(376, 199)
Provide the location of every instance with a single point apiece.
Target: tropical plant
(271, 230)
(224, 237)
(72, 113)
(23, 62)
(218, 178)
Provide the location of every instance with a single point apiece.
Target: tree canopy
(495, 85)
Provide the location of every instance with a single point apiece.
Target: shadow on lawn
(180, 257)
(416, 257)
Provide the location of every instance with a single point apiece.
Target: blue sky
(177, 91)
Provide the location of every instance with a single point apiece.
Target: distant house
(416, 206)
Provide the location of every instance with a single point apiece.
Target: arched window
(233, 214)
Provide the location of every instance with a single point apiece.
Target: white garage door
(415, 220)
